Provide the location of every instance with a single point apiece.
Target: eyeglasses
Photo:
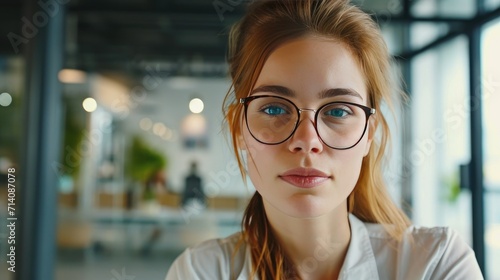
(272, 120)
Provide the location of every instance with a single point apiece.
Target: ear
(370, 131)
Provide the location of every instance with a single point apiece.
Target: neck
(317, 246)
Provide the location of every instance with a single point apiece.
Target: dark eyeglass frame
(368, 112)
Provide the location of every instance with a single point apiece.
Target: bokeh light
(196, 105)
(89, 104)
(5, 99)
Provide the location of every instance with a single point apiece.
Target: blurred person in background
(193, 189)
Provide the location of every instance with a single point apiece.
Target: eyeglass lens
(272, 120)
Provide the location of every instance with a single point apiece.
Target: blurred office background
(105, 106)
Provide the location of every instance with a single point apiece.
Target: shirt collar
(360, 261)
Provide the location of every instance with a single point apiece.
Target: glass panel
(381, 7)
(450, 8)
(492, 4)
(11, 110)
(424, 33)
(491, 133)
(441, 136)
(491, 99)
(492, 218)
(393, 36)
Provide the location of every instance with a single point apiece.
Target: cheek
(259, 167)
(252, 146)
(258, 158)
(349, 164)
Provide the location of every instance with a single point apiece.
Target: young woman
(309, 79)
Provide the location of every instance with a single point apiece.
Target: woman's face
(302, 177)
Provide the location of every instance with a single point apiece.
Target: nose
(306, 139)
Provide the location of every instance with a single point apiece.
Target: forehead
(312, 65)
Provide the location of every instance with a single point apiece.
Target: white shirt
(434, 253)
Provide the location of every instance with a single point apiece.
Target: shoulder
(434, 240)
(210, 259)
(424, 237)
(449, 255)
(429, 252)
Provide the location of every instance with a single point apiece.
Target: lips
(304, 177)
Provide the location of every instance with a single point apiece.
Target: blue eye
(274, 111)
(337, 112)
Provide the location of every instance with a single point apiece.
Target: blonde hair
(269, 24)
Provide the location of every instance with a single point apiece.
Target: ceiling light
(72, 76)
(196, 105)
(89, 104)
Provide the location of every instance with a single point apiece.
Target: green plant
(11, 131)
(143, 161)
(73, 136)
(452, 184)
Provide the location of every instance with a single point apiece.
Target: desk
(174, 228)
(166, 216)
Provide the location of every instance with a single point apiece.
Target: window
(490, 83)
(441, 136)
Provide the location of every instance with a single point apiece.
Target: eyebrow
(327, 93)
